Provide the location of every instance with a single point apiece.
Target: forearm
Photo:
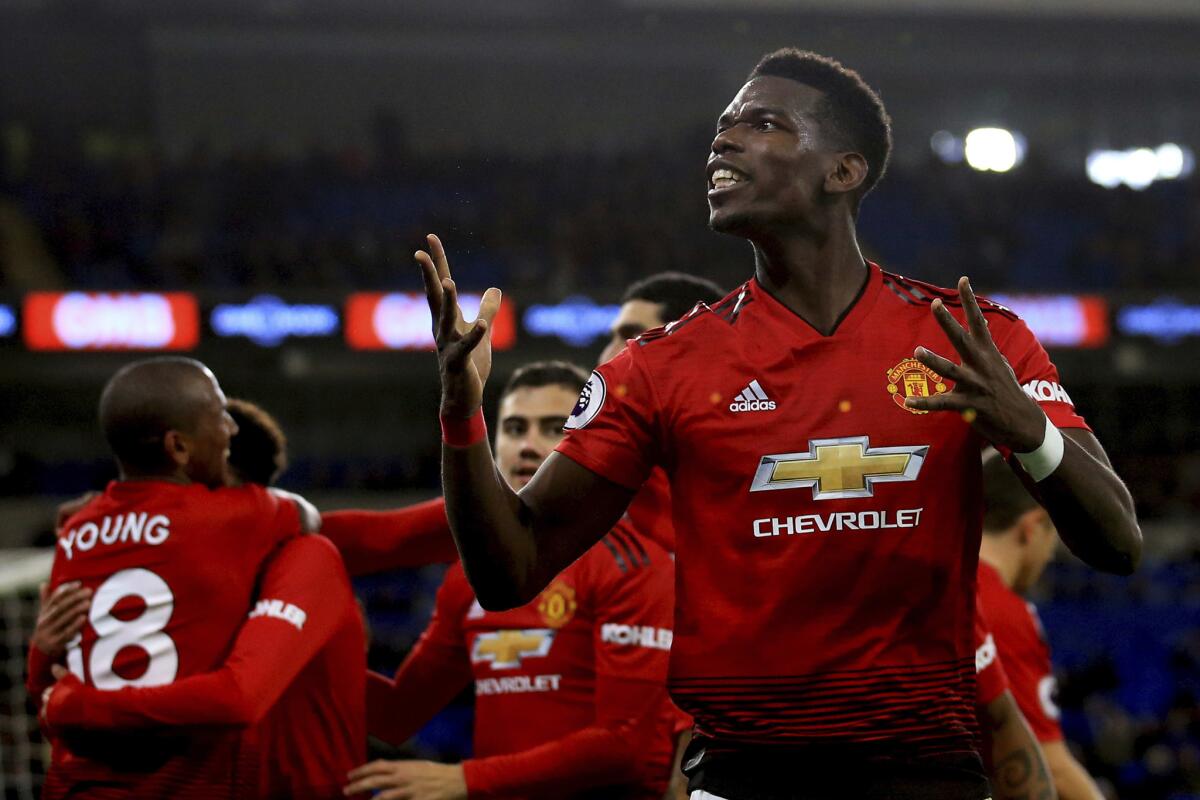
(38, 677)
(1019, 770)
(1070, 778)
(211, 699)
(591, 757)
(1091, 507)
(491, 527)
(377, 541)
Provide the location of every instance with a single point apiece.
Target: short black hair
(677, 292)
(853, 116)
(146, 399)
(258, 451)
(1005, 498)
(546, 373)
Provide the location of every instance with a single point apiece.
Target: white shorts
(700, 794)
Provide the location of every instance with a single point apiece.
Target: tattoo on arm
(1020, 775)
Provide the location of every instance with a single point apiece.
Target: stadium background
(271, 160)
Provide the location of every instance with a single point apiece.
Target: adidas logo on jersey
(752, 398)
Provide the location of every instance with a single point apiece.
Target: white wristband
(1046, 458)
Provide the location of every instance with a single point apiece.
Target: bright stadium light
(993, 149)
(1139, 167)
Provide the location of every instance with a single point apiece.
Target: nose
(726, 141)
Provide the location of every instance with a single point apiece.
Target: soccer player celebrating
(297, 669)
(570, 689)
(171, 571)
(826, 512)
(1019, 538)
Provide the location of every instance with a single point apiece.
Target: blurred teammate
(166, 555)
(826, 523)
(1014, 760)
(1018, 542)
(570, 695)
(297, 669)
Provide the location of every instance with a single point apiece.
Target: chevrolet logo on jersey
(838, 469)
(505, 649)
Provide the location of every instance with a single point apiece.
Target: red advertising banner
(400, 321)
(111, 321)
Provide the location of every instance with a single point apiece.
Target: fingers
(439, 256)
(378, 774)
(490, 305)
(975, 321)
(433, 285)
(938, 402)
(450, 313)
(43, 592)
(59, 671)
(954, 331)
(943, 366)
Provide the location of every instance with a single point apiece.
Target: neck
(993, 552)
(818, 277)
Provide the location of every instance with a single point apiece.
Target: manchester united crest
(911, 378)
(556, 605)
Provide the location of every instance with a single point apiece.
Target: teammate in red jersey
(165, 552)
(1018, 542)
(297, 669)
(827, 525)
(1014, 759)
(570, 696)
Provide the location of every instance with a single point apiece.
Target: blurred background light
(8, 320)
(578, 320)
(946, 146)
(1166, 319)
(266, 320)
(993, 149)
(1139, 167)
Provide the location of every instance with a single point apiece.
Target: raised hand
(986, 391)
(464, 348)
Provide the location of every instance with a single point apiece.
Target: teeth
(725, 177)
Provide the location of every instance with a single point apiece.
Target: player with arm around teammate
(171, 573)
(816, 497)
(570, 697)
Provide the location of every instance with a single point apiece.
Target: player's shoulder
(455, 588)
(312, 549)
(921, 294)
(703, 321)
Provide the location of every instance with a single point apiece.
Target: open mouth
(724, 179)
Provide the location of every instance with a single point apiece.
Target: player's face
(768, 164)
(208, 444)
(531, 425)
(635, 318)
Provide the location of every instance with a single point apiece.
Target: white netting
(23, 755)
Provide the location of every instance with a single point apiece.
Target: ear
(177, 448)
(849, 172)
(1030, 524)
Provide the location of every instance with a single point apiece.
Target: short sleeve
(1039, 377)
(991, 680)
(1036, 690)
(633, 585)
(614, 429)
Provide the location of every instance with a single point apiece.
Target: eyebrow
(755, 111)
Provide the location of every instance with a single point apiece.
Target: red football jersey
(298, 668)
(650, 510)
(1022, 644)
(570, 690)
(172, 568)
(379, 541)
(989, 670)
(826, 536)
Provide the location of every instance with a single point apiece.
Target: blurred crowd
(112, 213)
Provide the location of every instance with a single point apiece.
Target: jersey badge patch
(911, 378)
(837, 469)
(590, 401)
(556, 605)
(505, 649)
